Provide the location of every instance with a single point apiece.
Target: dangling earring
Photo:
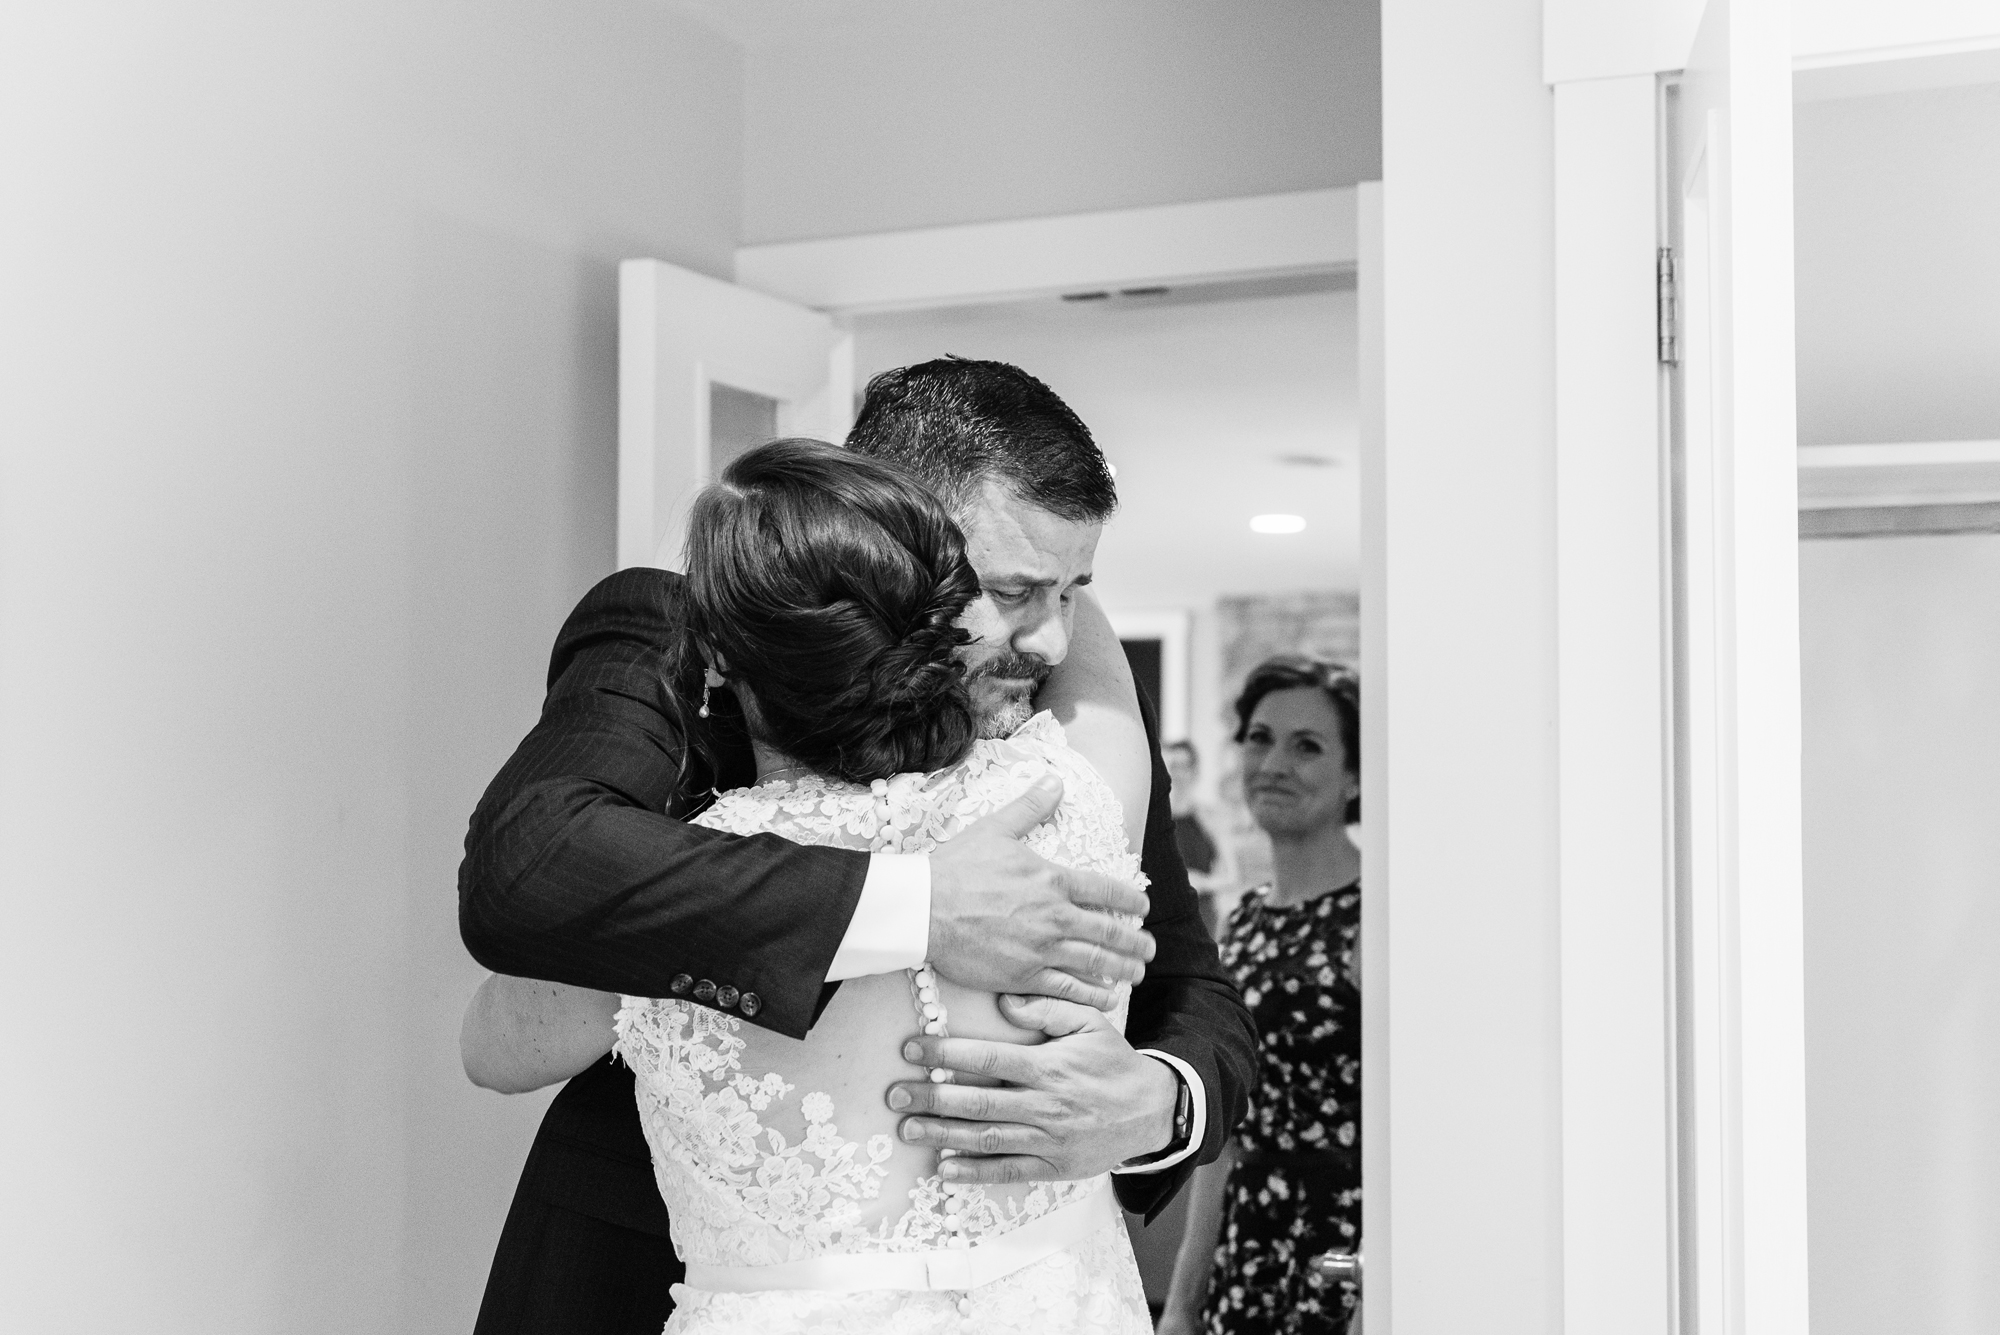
(710, 679)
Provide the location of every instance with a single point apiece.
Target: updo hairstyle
(830, 584)
(1290, 672)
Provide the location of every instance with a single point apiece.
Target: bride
(824, 590)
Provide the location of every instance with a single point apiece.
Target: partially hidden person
(1287, 1188)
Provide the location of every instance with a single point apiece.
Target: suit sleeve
(1186, 1004)
(574, 871)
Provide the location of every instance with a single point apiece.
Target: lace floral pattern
(716, 1096)
(774, 1202)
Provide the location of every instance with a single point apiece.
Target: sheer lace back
(769, 1149)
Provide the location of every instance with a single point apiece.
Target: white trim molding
(1852, 32)
(1936, 42)
(1902, 70)
(1887, 491)
(1613, 712)
(1308, 231)
(1944, 472)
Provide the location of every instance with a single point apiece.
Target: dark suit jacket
(579, 868)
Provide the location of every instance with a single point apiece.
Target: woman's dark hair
(830, 585)
(1291, 672)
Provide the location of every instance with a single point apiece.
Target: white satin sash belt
(960, 1268)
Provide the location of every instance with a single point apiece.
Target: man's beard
(999, 713)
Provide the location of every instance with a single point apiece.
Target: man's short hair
(955, 423)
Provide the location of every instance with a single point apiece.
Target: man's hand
(1074, 1107)
(1005, 920)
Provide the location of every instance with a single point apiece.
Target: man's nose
(1046, 639)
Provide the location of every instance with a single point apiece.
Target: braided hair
(831, 585)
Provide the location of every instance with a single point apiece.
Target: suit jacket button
(750, 1004)
(725, 996)
(704, 990)
(680, 985)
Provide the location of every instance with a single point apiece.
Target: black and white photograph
(702, 667)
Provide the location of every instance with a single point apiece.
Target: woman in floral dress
(1288, 1188)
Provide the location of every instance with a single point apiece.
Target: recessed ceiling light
(1277, 523)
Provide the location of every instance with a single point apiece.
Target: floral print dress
(1296, 1189)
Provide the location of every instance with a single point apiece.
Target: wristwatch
(1183, 1121)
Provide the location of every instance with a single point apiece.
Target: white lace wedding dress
(793, 1202)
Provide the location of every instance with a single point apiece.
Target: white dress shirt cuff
(1197, 1125)
(891, 926)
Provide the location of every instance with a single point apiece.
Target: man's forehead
(1003, 528)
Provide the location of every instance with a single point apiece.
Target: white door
(1738, 885)
(707, 369)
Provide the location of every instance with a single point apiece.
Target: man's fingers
(1093, 964)
(1010, 1062)
(1096, 939)
(1057, 1019)
(1114, 934)
(943, 1133)
(1028, 810)
(1068, 987)
(1003, 1169)
(1095, 890)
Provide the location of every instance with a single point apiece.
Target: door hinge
(1668, 308)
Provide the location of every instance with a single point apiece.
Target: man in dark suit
(579, 869)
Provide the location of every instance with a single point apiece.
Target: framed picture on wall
(1156, 644)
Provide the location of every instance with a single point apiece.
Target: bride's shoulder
(809, 810)
(1037, 747)
(1032, 747)
(1035, 738)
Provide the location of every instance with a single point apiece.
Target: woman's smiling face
(1295, 771)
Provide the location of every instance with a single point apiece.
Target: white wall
(890, 114)
(1898, 201)
(305, 449)
(1901, 654)
(1463, 1062)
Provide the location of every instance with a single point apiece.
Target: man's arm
(575, 870)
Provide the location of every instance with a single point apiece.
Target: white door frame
(1614, 714)
(1619, 1216)
(679, 334)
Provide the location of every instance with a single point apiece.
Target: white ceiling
(1201, 405)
